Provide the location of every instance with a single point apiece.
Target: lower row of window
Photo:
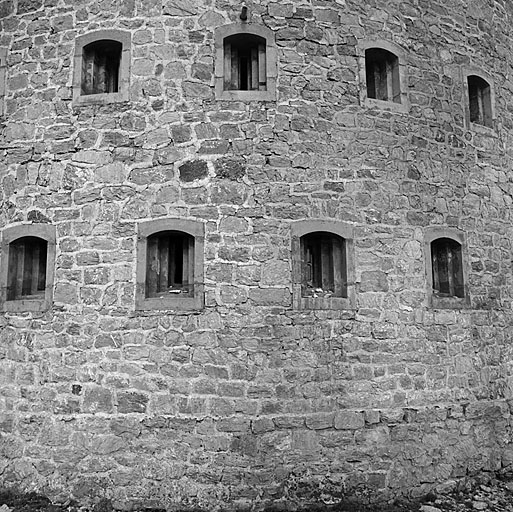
(170, 265)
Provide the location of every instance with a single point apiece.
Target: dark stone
(232, 169)
(132, 402)
(25, 6)
(38, 217)
(194, 170)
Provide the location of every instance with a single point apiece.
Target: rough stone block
(349, 420)
(195, 170)
(131, 402)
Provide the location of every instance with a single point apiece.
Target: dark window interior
(245, 63)
(100, 67)
(170, 265)
(382, 75)
(480, 105)
(324, 272)
(26, 274)
(447, 268)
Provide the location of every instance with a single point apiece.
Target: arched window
(446, 267)
(322, 270)
(479, 101)
(101, 67)
(170, 264)
(245, 63)
(382, 75)
(28, 256)
(245, 66)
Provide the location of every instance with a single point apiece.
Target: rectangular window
(100, 67)
(382, 75)
(26, 275)
(170, 265)
(324, 265)
(480, 104)
(245, 63)
(447, 268)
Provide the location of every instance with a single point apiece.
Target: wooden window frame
(267, 68)
(312, 227)
(146, 230)
(435, 298)
(382, 75)
(3, 76)
(480, 96)
(394, 69)
(81, 45)
(12, 234)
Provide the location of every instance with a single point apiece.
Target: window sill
(481, 128)
(100, 99)
(170, 303)
(268, 95)
(21, 305)
(385, 105)
(336, 303)
(449, 302)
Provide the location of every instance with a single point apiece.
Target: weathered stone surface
(194, 170)
(254, 396)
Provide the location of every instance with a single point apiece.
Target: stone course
(250, 401)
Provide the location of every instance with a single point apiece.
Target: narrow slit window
(382, 75)
(480, 104)
(170, 265)
(245, 63)
(100, 67)
(447, 268)
(324, 266)
(26, 274)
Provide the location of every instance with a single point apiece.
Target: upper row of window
(246, 69)
(169, 272)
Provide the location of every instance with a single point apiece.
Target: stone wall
(250, 400)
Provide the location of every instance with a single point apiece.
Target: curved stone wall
(251, 398)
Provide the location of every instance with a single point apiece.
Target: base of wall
(238, 463)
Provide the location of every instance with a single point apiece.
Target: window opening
(324, 267)
(170, 264)
(382, 75)
(245, 63)
(447, 268)
(27, 269)
(480, 105)
(100, 67)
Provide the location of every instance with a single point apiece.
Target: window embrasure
(3, 68)
(323, 271)
(170, 264)
(446, 268)
(479, 101)
(382, 75)
(245, 67)
(101, 67)
(27, 267)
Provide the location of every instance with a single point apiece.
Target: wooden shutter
(262, 68)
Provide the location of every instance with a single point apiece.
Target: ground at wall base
(484, 493)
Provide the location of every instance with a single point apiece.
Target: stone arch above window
(169, 270)
(3, 69)
(322, 264)
(101, 72)
(480, 99)
(446, 267)
(245, 62)
(27, 267)
(382, 75)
